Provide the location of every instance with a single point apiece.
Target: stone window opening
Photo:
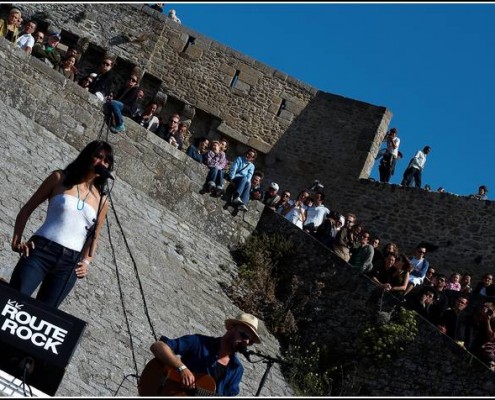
(190, 41)
(235, 78)
(281, 108)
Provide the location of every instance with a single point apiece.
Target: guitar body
(160, 380)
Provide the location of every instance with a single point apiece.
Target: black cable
(24, 384)
(123, 380)
(122, 296)
(135, 269)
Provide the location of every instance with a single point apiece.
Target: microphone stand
(269, 361)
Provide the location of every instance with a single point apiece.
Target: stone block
(226, 130)
(259, 145)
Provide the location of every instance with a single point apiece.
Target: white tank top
(65, 224)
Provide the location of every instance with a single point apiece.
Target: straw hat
(247, 320)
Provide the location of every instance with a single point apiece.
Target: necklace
(83, 200)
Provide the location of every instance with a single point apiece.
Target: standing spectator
(362, 256)
(271, 198)
(485, 287)
(49, 53)
(198, 149)
(420, 266)
(295, 211)
(466, 283)
(389, 156)
(103, 82)
(124, 103)
(441, 300)
(157, 7)
(453, 321)
(173, 16)
(26, 40)
(215, 161)
(344, 239)
(256, 193)
(240, 174)
(415, 168)
(284, 200)
(316, 214)
(9, 28)
(482, 193)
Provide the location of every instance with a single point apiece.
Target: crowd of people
(443, 301)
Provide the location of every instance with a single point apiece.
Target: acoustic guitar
(158, 379)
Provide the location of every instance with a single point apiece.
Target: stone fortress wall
(187, 236)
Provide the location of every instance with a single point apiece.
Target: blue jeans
(50, 264)
(117, 107)
(215, 175)
(242, 188)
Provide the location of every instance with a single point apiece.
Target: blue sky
(432, 65)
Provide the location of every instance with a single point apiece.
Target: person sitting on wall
(284, 200)
(198, 149)
(166, 132)
(26, 39)
(240, 174)
(66, 68)
(344, 239)
(271, 197)
(453, 321)
(103, 82)
(327, 231)
(48, 53)
(466, 283)
(147, 118)
(215, 160)
(86, 82)
(362, 256)
(215, 356)
(420, 266)
(73, 52)
(9, 28)
(485, 287)
(124, 103)
(173, 16)
(421, 300)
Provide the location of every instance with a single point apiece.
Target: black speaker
(36, 341)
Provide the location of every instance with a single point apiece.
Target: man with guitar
(200, 356)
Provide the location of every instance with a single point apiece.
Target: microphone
(246, 353)
(103, 172)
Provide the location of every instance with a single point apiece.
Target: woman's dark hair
(407, 266)
(77, 169)
(199, 140)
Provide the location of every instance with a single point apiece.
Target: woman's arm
(404, 285)
(43, 193)
(82, 266)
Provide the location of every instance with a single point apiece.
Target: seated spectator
(215, 160)
(481, 326)
(421, 300)
(66, 68)
(86, 82)
(39, 37)
(157, 7)
(256, 193)
(123, 103)
(147, 118)
(427, 188)
(377, 253)
(485, 287)
(344, 240)
(389, 248)
(170, 133)
(48, 53)
(482, 193)
(327, 231)
(73, 52)
(183, 133)
(9, 28)
(420, 266)
(454, 282)
(240, 174)
(26, 39)
(271, 197)
(362, 256)
(316, 214)
(198, 149)
(441, 190)
(295, 211)
(284, 200)
(466, 283)
(103, 82)
(453, 321)
(172, 15)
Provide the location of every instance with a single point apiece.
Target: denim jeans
(242, 188)
(50, 264)
(215, 175)
(117, 107)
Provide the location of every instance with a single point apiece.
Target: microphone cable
(123, 380)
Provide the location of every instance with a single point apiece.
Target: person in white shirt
(415, 168)
(316, 214)
(26, 39)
